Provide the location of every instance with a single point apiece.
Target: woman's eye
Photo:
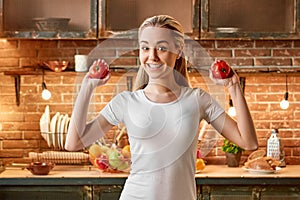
(162, 49)
(144, 48)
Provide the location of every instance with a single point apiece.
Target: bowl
(51, 24)
(40, 168)
(116, 165)
(57, 66)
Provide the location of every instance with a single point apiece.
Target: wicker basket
(51, 24)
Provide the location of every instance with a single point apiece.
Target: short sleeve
(114, 110)
(210, 107)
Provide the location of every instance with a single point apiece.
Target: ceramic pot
(233, 160)
(40, 168)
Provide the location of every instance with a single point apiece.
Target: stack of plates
(54, 130)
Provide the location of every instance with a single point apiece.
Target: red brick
(234, 44)
(10, 135)
(286, 52)
(273, 62)
(47, 54)
(32, 135)
(9, 62)
(11, 153)
(206, 43)
(252, 52)
(220, 53)
(8, 44)
(273, 43)
(20, 144)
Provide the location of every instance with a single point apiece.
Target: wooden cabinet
(240, 192)
(86, 183)
(48, 19)
(110, 192)
(200, 19)
(249, 19)
(45, 192)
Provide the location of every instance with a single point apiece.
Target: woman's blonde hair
(180, 68)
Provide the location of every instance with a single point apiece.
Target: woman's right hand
(98, 73)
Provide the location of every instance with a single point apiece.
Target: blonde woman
(162, 116)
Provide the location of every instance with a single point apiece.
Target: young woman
(162, 116)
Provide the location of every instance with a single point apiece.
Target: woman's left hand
(228, 82)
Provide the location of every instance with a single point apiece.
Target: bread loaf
(257, 160)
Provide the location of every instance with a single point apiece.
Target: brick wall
(19, 125)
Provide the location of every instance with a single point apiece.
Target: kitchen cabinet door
(45, 192)
(254, 19)
(227, 193)
(117, 16)
(110, 192)
(48, 19)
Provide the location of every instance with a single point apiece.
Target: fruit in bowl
(110, 159)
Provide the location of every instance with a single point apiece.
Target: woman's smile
(154, 66)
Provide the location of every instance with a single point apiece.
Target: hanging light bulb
(284, 104)
(46, 94)
(231, 109)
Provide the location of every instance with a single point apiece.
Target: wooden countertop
(88, 175)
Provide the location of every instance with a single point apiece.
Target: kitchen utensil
(40, 168)
(60, 157)
(56, 66)
(273, 146)
(51, 24)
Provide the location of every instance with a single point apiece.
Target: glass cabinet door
(121, 16)
(254, 19)
(48, 19)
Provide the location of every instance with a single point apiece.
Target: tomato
(101, 72)
(221, 70)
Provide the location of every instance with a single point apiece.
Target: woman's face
(158, 52)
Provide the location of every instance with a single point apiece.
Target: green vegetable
(230, 147)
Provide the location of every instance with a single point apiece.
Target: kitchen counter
(212, 174)
(215, 182)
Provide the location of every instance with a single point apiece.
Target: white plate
(57, 133)
(47, 121)
(53, 128)
(43, 126)
(62, 130)
(259, 171)
(66, 129)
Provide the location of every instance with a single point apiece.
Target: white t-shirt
(163, 141)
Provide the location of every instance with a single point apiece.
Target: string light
(284, 104)
(46, 94)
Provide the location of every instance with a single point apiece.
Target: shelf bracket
(17, 88)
